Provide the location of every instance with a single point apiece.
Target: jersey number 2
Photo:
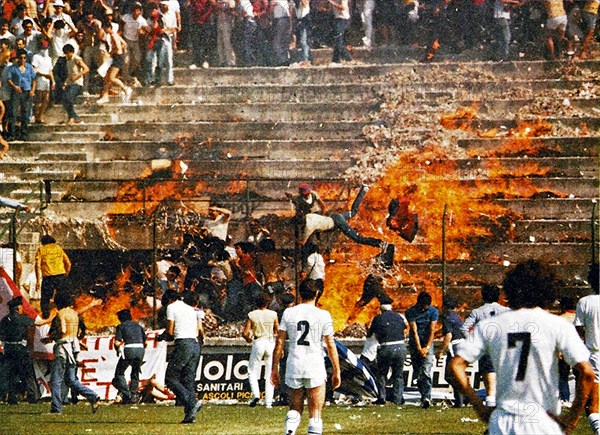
(304, 327)
(525, 337)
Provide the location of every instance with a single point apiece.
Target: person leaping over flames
(315, 222)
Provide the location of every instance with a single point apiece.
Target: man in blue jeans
(184, 326)
(76, 70)
(422, 319)
(389, 327)
(23, 82)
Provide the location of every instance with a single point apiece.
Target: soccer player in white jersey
(307, 327)
(490, 295)
(587, 322)
(524, 345)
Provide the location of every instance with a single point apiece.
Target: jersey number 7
(525, 337)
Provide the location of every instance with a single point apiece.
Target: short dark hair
(490, 293)
(530, 284)
(424, 299)
(68, 48)
(47, 238)
(450, 302)
(124, 315)
(21, 52)
(190, 298)
(63, 300)
(308, 289)
(27, 21)
(262, 300)
(59, 24)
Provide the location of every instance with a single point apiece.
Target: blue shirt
(22, 79)
(388, 327)
(452, 324)
(423, 320)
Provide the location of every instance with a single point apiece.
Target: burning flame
(431, 180)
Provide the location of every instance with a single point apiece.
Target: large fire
(432, 181)
(428, 177)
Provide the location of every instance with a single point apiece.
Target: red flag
(8, 291)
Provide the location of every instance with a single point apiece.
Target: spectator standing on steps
(77, 69)
(117, 47)
(341, 14)
(52, 266)
(23, 82)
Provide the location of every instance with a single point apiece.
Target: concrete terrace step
(232, 112)
(570, 167)
(506, 72)
(541, 146)
(58, 156)
(551, 231)
(158, 131)
(215, 149)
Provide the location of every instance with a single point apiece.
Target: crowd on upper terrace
(127, 43)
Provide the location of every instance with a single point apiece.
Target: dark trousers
(50, 284)
(339, 36)
(391, 357)
(180, 376)
(70, 94)
(132, 357)
(20, 370)
(341, 222)
(204, 40)
(21, 110)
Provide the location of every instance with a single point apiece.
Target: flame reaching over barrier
(431, 180)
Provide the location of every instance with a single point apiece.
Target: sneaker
(205, 65)
(365, 187)
(95, 404)
(269, 406)
(253, 402)
(188, 420)
(103, 100)
(425, 403)
(191, 415)
(86, 94)
(193, 66)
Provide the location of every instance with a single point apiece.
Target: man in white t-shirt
(134, 25)
(218, 222)
(184, 326)
(524, 345)
(587, 322)
(306, 326)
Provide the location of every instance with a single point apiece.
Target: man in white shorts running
(307, 327)
(524, 345)
(587, 322)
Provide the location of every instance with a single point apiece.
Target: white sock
(490, 401)
(292, 421)
(315, 426)
(594, 420)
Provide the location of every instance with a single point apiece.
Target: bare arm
(67, 263)
(432, 326)
(445, 345)
(336, 378)
(584, 375)
(246, 333)
(458, 368)
(277, 355)
(170, 327)
(201, 331)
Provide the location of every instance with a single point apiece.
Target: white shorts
(557, 23)
(540, 423)
(595, 362)
(297, 383)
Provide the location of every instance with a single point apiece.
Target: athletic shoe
(253, 402)
(365, 187)
(190, 417)
(95, 404)
(103, 100)
(188, 420)
(425, 403)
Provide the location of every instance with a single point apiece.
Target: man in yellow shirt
(52, 265)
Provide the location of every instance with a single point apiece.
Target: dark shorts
(485, 365)
(118, 61)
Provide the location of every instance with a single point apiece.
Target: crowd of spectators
(117, 45)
